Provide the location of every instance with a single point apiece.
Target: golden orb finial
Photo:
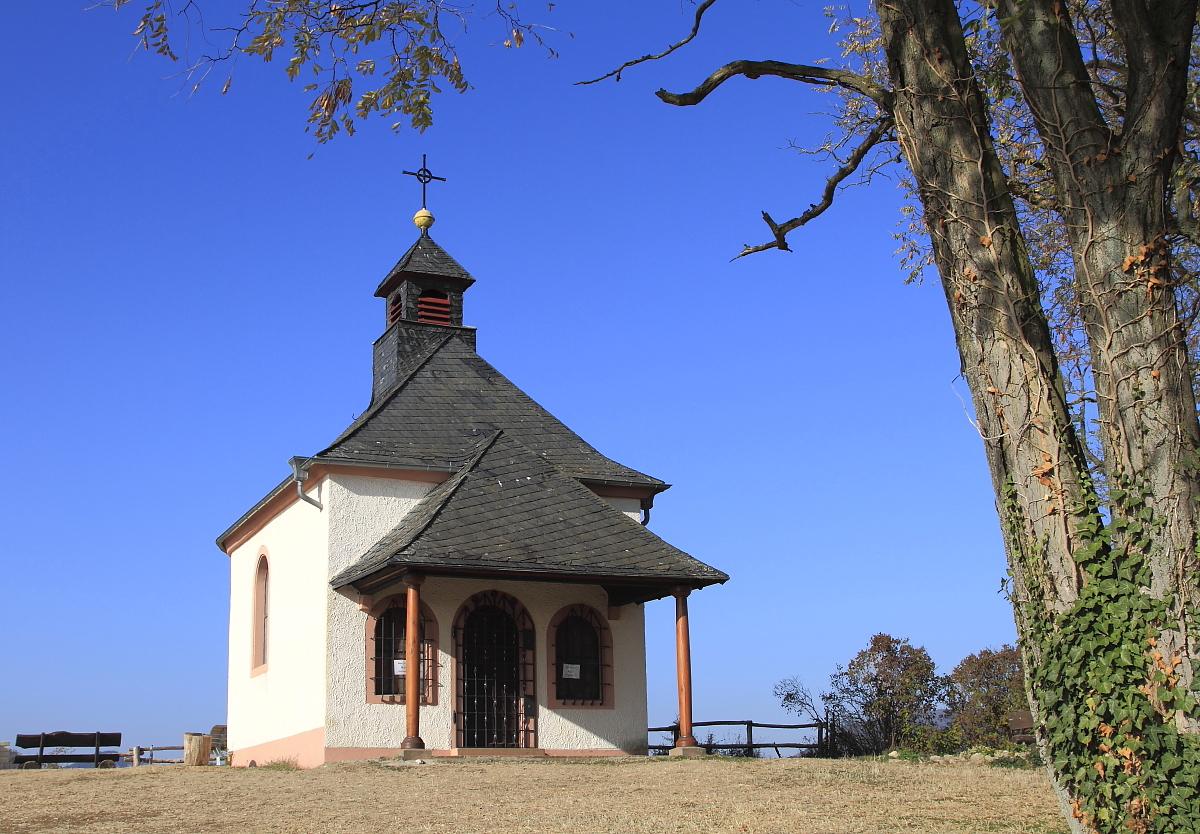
(423, 219)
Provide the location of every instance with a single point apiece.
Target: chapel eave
(258, 507)
(284, 495)
(621, 589)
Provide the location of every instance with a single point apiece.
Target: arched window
(433, 307)
(260, 630)
(581, 674)
(387, 667)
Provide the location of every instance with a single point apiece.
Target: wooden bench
(1020, 726)
(64, 739)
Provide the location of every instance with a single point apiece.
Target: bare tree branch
(796, 72)
(878, 133)
(700, 10)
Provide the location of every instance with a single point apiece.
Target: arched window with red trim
(260, 625)
(581, 652)
(387, 667)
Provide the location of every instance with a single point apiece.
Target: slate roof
(448, 400)
(425, 257)
(509, 510)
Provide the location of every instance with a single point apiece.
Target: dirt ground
(498, 796)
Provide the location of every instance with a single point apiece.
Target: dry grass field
(498, 796)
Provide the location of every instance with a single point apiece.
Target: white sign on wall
(571, 671)
(398, 667)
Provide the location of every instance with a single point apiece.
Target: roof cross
(424, 176)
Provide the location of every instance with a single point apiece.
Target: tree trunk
(1045, 499)
(1113, 189)
(1101, 611)
(1036, 460)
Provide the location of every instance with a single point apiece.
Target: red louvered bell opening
(433, 308)
(395, 309)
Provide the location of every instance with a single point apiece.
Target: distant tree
(888, 696)
(982, 688)
(887, 692)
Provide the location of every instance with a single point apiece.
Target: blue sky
(187, 302)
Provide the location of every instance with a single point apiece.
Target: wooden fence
(145, 755)
(824, 746)
(197, 748)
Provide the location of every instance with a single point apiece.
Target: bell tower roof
(426, 258)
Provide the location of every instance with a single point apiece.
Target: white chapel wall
(353, 723)
(289, 697)
(362, 510)
(624, 726)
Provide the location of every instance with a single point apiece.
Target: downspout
(300, 475)
(647, 503)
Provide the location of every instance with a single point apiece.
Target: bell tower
(423, 295)
(426, 285)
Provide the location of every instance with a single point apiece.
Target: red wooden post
(412, 664)
(683, 667)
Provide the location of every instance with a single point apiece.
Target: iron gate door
(491, 679)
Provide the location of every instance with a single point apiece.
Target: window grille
(582, 653)
(577, 660)
(494, 640)
(433, 307)
(389, 655)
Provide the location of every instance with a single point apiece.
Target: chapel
(457, 573)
